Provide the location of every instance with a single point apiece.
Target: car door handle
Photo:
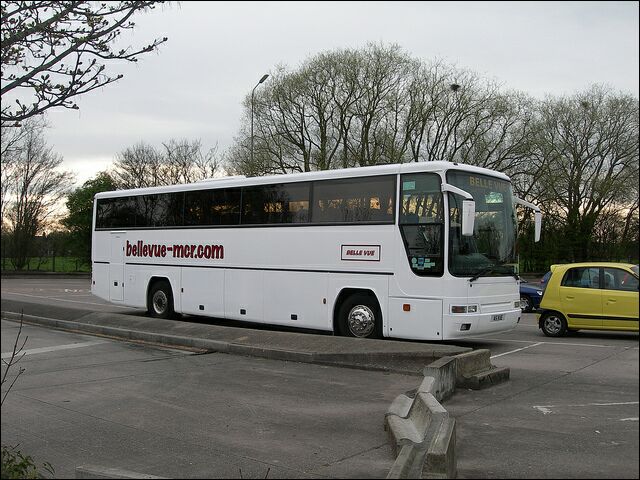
(612, 300)
(570, 297)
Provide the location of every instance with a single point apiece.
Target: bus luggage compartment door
(415, 318)
(243, 295)
(116, 268)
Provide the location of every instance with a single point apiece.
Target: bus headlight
(464, 308)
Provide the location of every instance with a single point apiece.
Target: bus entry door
(116, 268)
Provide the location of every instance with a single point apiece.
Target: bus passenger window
(354, 200)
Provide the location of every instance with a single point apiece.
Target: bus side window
(224, 208)
(195, 207)
(355, 200)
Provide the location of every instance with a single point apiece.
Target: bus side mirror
(468, 217)
(538, 226)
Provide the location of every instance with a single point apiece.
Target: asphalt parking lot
(176, 414)
(570, 409)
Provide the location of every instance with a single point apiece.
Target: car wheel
(525, 304)
(160, 301)
(359, 316)
(553, 324)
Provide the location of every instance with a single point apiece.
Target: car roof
(565, 266)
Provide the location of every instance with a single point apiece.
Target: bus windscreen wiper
(486, 270)
(483, 271)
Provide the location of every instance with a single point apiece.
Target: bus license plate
(497, 318)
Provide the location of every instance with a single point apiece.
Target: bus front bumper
(475, 324)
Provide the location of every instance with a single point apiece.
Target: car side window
(617, 279)
(582, 277)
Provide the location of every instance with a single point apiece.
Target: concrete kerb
(137, 329)
(421, 432)
(174, 340)
(95, 472)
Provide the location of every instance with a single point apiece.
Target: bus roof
(240, 180)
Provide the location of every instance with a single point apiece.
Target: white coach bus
(417, 251)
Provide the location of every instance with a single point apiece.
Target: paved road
(570, 409)
(90, 400)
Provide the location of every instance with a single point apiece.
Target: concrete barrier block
(472, 362)
(428, 385)
(400, 406)
(427, 404)
(440, 461)
(422, 410)
(444, 371)
(485, 379)
(402, 432)
(405, 462)
(414, 429)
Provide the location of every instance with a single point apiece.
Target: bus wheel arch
(357, 313)
(160, 302)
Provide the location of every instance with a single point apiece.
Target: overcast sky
(194, 85)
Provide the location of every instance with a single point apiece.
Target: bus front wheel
(160, 300)
(359, 316)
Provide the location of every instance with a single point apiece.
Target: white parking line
(516, 350)
(546, 409)
(53, 349)
(545, 343)
(75, 295)
(72, 301)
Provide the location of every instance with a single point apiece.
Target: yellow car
(594, 296)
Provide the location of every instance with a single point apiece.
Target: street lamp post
(264, 77)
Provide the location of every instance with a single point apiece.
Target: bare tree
(178, 161)
(54, 51)
(499, 136)
(378, 105)
(10, 139)
(589, 142)
(17, 354)
(12, 143)
(36, 186)
(138, 166)
(185, 161)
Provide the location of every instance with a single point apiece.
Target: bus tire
(553, 324)
(360, 316)
(160, 301)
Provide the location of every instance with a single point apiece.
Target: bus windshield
(491, 249)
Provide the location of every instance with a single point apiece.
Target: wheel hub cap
(160, 302)
(553, 324)
(361, 321)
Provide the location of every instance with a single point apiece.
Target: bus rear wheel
(160, 301)
(359, 316)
